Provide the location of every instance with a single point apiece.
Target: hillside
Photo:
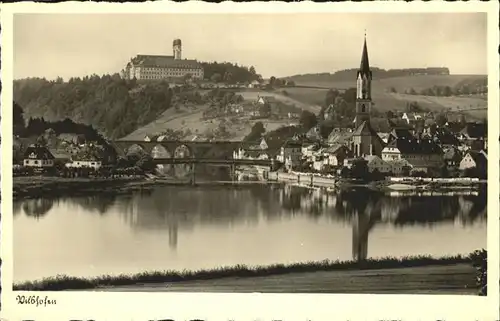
(191, 120)
(385, 100)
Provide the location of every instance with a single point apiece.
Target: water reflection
(185, 208)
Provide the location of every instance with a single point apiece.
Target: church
(363, 140)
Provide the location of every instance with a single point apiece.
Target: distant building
(157, 67)
(38, 156)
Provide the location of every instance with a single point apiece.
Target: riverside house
(38, 156)
(421, 154)
(376, 163)
(290, 154)
(474, 160)
(89, 161)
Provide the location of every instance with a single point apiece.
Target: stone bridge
(181, 149)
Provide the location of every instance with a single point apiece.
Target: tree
(359, 169)
(18, 120)
(308, 120)
(256, 133)
(447, 91)
(216, 78)
(330, 97)
(265, 110)
(441, 119)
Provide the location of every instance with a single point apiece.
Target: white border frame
(187, 306)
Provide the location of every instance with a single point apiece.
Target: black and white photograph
(336, 152)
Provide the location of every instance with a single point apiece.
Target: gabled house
(375, 163)
(411, 118)
(38, 156)
(314, 134)
(474, 160)
(337, 154)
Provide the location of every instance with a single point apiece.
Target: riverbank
(386, 185)
(445, 280)
(456, 269)
(27, 187)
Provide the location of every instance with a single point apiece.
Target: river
(186, 227)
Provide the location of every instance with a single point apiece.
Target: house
(374, 162)
(474, 160)
(445, 138)
(290, 153)
(257, 151)
(61, 156)
(150, 138)
(421, 154)
(308, 150)
(452, 157)
(411, 118)
(70, 138)
(262, 100)
(38, 156)
(87, 160)
(473, 132)
(399, 167)
(314, 134)
(254, 84)
(339, 136)
(337, 154)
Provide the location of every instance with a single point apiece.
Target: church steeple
(363, 88)
(364, 68)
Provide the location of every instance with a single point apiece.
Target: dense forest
(112, 105)
(229, 73)
(378, 73)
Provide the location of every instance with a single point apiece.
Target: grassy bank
(36, 187)
(63, 282)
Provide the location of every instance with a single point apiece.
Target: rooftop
(164, 61)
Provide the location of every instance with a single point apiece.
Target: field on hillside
(303, 104)
(191, 117)
(384, 100)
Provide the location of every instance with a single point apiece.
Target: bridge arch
(160, 151)
(183, 151)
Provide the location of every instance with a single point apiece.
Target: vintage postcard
(258, 161)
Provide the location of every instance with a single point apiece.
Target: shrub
(479, 260)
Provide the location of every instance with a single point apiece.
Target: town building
(474, 160)
(290, 154)
(421, 154)
(158, 67)
(375, 163)
(257, 151)
(38, 156)
(337, 154)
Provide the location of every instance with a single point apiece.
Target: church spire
(365, 64)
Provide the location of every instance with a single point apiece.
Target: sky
(75, 45)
